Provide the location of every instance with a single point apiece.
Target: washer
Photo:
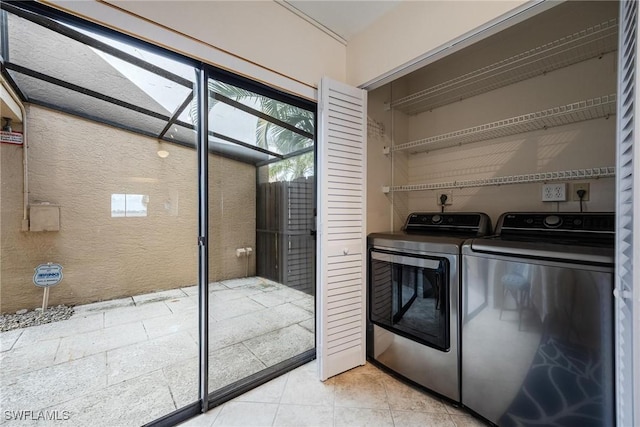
(537, 321)
(413, 298)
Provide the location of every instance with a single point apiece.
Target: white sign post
(46, 276)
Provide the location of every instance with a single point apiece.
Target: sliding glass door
(122, 135)
(261, 244)
(111, 158)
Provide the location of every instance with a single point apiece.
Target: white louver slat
(341, 228)
(627, 287)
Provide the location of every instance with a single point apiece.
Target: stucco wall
(78, 164)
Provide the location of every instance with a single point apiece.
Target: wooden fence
(285, 248)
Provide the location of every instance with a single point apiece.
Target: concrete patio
(129, 361)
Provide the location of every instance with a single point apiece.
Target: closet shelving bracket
(566, 175)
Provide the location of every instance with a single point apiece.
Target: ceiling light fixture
(162, 153)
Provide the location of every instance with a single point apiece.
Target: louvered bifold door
(341, 228)
(627, 289)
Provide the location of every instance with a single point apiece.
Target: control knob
(436, 219)
(552, 221)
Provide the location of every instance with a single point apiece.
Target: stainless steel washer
(537, 321)
(413, 298)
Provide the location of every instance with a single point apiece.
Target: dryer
(537, 321)
(413, 298)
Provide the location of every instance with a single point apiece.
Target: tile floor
(140, 354)
(364, 396)
(127, 362)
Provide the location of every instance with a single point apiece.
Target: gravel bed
(24, 318)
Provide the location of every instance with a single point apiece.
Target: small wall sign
(47, 275)
(10, 137)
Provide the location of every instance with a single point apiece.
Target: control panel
(463, 220)
(427, 222)
(560, 221)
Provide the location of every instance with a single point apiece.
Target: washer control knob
(552, 221)
(436, 219)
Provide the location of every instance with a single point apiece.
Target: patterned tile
(406, 398)
(356, 390)
(362, 417)
(421, 419)
(9, 338)
(304, 388)
(300, 416)
(137, 359)
(246, 414)
(75, 325)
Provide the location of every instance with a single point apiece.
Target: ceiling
(344, 18)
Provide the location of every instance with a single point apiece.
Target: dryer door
(409, 295)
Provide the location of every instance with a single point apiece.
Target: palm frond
(268, 134)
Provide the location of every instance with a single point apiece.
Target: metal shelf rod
(567, 175)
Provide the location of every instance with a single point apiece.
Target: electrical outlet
(449, 198)
(580, 186)
(554, 192)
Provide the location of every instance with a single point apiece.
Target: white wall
(265, 41)
(259, 39)
(584, 145)
(412, 29)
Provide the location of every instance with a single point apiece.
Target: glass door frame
(43, 14)
(210, 399)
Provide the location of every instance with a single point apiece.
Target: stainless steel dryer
(413, 298)
(537, 321)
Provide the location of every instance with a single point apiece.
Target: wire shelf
(575, 174)
(589, 109)
(586, 44)
(375, 128)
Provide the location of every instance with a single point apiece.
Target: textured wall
(78, 164)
